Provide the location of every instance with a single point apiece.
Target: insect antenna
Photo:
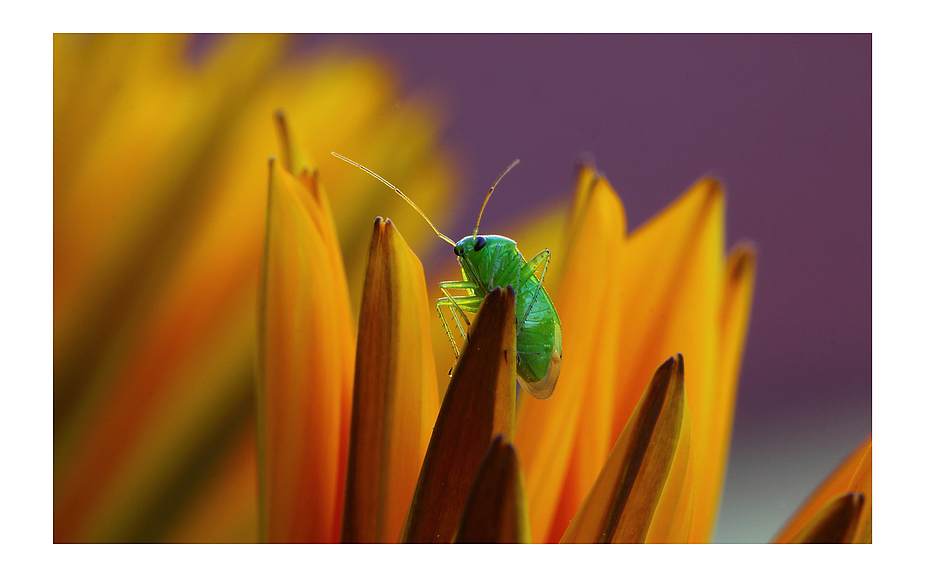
(402, 194)
(490, 190)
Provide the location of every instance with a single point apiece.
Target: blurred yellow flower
(159, 202)
(161, 225)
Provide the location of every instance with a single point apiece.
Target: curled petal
(479, 405)
(394, 392)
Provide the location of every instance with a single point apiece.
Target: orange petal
(565, 440)
(837, 522)
(496, 510)
(671, 301)
(394, 392)
(621, 504)
(853, 475)
(671, 522)
(305, 371)
(716, 428)
(479, 405)
(862, 483)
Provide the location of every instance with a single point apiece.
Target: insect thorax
(490, 260)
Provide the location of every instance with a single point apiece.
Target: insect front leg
(528, 270)
(449, 285)
(446, 326)
(459, 305)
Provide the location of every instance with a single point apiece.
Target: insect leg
(446, 286)
(540, 260)
(446, 327)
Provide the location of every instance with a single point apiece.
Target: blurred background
(143, 307)
(783, 120)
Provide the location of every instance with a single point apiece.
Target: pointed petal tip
(836, 522)
(713, 184)
(622, 503)
(495, 510)
(479, 404)
(742, 257)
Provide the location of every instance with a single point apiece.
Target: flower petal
(621, 504)
(837, 522)
(853, 475)
(716, 427)
(564, 441)
(394, 392)
(479, 405)
(305, 371)
(672, 297)
(496, 510)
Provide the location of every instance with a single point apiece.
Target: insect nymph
(489, 261)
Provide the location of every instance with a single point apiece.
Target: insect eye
(458, 250)
(479, 242)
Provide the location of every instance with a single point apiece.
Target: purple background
(783, 120)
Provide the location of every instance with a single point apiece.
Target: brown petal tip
(394, 393)
(621, 504)
(834, 523)
(478, 405)
(495, 511)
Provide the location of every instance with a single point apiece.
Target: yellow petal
(853, 475)
(671, 301)
(394, 393)
(479, 405)
(496, 511)
(836, 522)
(565, 440)
(305, 371)
(671, 522)
(621, 504)
(716, 427)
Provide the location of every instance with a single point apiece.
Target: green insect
(491, 261)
